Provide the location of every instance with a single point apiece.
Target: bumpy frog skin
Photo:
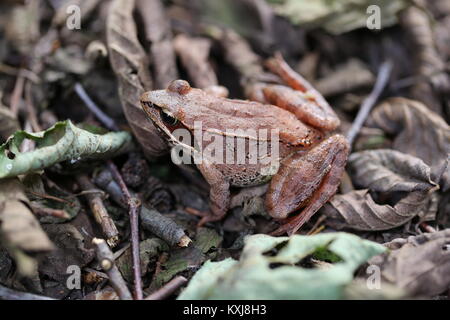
(311, 162)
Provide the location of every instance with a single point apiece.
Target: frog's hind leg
(299, 97)
(306, 181)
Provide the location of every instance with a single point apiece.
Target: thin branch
(99, 211)
(134, 206)
(31, 110)
(169, 288)
(106, 259)
(367, 105)
(17, 94)
(92, 106)
(10, 294)
(160, 225)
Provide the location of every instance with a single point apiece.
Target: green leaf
(62, 142)
(271, 268)
(338, 16)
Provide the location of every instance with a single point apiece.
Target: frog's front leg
(219, 192)
(307, 180)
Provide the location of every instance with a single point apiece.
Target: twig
(162, 226)
(134, 206)
(28, 144)
(99, 211)
(12, 71)
(17, 94)
(43, 211)
(10, 294)
(106, 259)
(31, 111)
(169, 288)
(92, 106)
(367, 105)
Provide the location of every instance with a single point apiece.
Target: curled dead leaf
(387, 170)
(418, 264)
(400, 183)
(418, 132)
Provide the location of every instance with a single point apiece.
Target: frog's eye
(168, 119)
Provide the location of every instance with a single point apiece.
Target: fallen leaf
(418, 132)
(19, 229)
(401, 180)
(130, 64)
(148, 249)
(271, 268)
(386, 170)
(418, 264)
(49, 197)
(190, 258)
(72, 241)
(62, 142)
(337, 16)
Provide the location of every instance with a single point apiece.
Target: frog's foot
(306, 180)
(300, 97)
(206, 216)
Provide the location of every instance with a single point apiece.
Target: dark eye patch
(167, 119)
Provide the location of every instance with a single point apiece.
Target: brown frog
(309, 162)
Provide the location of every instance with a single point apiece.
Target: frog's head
(166, 108)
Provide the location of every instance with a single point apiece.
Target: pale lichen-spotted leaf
(337, 16)
(19, 229)
(270, 268)
(62, 142)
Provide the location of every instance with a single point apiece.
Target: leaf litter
(59, 196)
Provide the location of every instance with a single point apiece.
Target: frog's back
(224, 115)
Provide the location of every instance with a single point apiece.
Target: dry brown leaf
(194, 54)
(428, 63)
(72, 241)
(19, 229)
(130, 64)
(418, 132)
(357, 210)
(397, 178)
(159, 36)
(386, 170)
(419, 264)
